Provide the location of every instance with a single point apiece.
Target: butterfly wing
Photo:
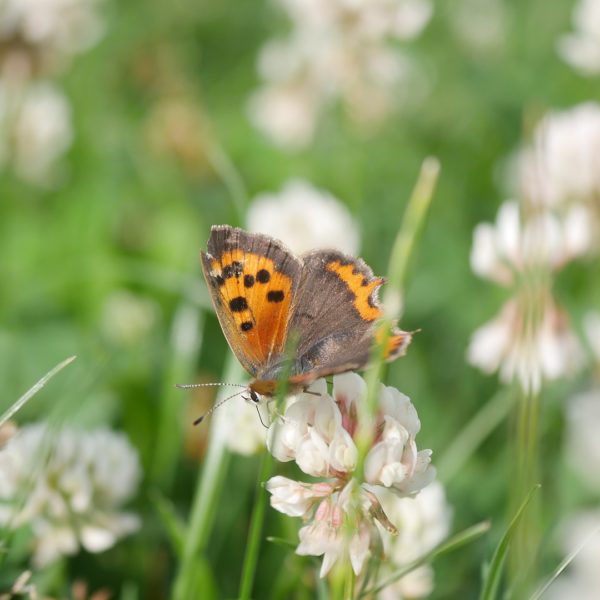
(252, 280)
(335, 313)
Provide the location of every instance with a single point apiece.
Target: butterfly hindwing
(252, 280)
(335, 313)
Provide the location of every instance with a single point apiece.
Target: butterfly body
(297, 317)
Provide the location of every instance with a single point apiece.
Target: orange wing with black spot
(252, 279)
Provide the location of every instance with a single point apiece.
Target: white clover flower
(581, 532)
(530, 340)
(49, 31)
(35, 130)
(481, 25)
(317, 432)
(581, 49)
(563, 163)
(243, 429)
(304, 218)
(525, 347)
(68, 487)
(422, 522)
(505, 251)
(337, 50)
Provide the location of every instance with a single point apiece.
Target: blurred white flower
(582, 440)
(581, 534)
(480, 24)
(35, 130)
(422, 522)
(513, 247)
(581, 49)
(304, 218)
(563, 163)
(317, 432)
(530, 340)
(42, 34)
(337, 50)
(244, 431)
(127, 317)
(68, 487)
(529, 348)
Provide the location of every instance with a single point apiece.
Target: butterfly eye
(254, 397)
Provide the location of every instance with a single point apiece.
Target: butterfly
(265, 297)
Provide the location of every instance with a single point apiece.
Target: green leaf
(171, 521)
(494, 571)
(457, 541)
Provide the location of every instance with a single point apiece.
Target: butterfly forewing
(252, 280)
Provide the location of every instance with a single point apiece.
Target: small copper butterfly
(263, 294)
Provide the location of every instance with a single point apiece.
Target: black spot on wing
(248, 281)
(238, 304)
(275, 296)
(246, 326)
(263, 276)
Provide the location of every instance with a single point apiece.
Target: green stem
(208, 490)
(186, 337)
(524, 563)
(256, 526)
(412, 223)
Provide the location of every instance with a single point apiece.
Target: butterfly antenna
(189, 386)
(215, 406)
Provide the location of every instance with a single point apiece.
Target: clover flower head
(530, 340)
(44, 34)
(422, 522)
(562, 165)
(336, 50)
(304, 218)
(317, 431)
(581, 49)
(35, 130)
(72, 498)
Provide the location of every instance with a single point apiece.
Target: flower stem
(208, 489)
(256, 525)
(412, 222)
(523, 567)
(186, 337)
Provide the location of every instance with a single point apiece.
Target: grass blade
(473, 434)
(563, 565)
(494, 573)
(457, 541)
(18, 405)
(173, 525)
(256, 525)
(208, 490)
(412, 223)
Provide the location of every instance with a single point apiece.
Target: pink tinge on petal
(322, 488)
(337, 516)
(322, 511)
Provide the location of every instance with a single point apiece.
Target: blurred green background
(141, 187)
